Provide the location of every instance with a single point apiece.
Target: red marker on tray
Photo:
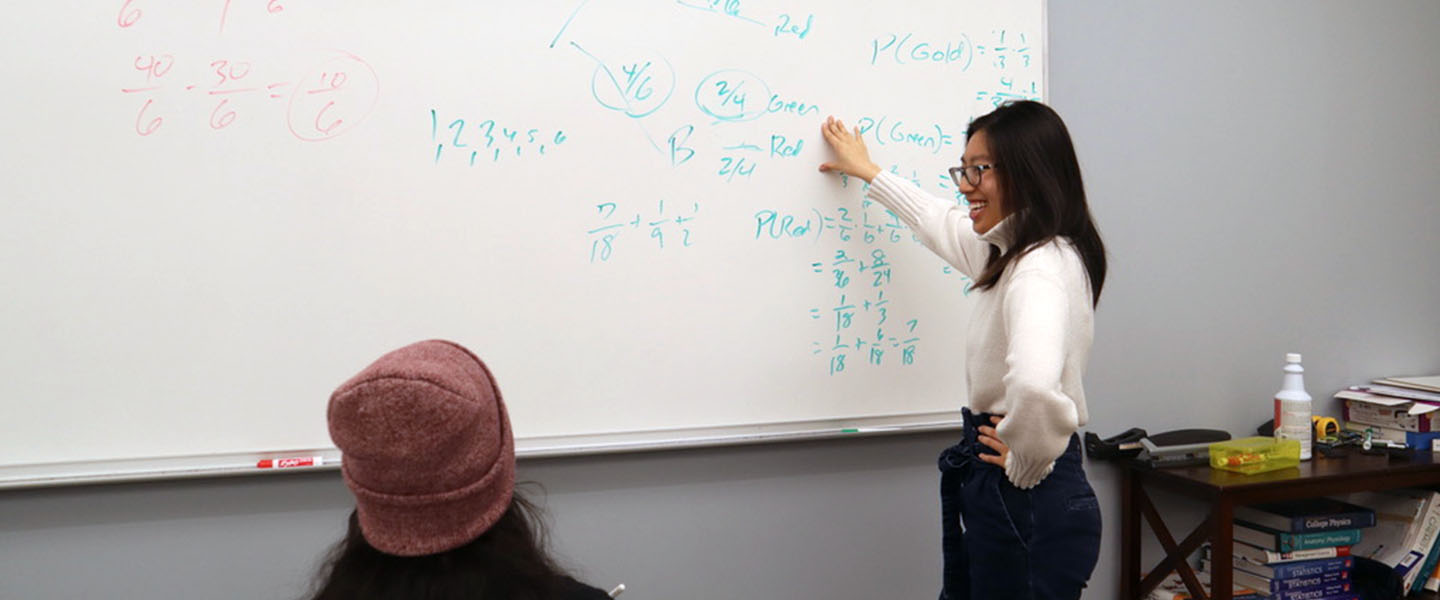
(286, 463)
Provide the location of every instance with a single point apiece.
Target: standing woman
(1031, 524)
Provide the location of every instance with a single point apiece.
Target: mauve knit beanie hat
(426, 448)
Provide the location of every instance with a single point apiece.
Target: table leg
(1175, 554)
(1222, 547)
(1129, 536)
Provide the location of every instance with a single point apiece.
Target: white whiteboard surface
(215, 211)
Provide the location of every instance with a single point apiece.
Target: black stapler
(1122, 445)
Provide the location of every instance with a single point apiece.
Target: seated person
(428, 453)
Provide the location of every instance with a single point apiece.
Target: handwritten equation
(861, 324)
(326, 97)
(658, 226)
(1010, 56)
(861, 333)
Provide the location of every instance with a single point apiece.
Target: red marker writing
(286, 463)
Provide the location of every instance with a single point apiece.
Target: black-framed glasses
(970, 174)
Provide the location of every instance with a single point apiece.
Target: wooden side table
(1223, 491)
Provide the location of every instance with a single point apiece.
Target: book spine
(1305, 555)
(1408, 567)
(1270, 558)
(1312, 593)
(1353, 520)
(1308, 583)
(1425, 545)
(1432, 584)
(1422, 579)
(1336, 568)
(1291, 542)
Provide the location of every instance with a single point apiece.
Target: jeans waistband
(973, 421)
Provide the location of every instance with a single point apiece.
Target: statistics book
(1307, 515)
(1294, 589)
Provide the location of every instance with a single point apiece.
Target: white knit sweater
(1029, 335)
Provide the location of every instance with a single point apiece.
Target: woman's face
(987, 202)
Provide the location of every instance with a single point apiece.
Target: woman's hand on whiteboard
(989, 437)
(851, 157)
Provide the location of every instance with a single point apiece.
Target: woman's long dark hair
(1040, 180)
(507, 562)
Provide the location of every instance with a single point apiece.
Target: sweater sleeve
(943, 226)
(1040, 418)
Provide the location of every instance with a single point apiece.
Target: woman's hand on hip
(990, 437)
(851, 157)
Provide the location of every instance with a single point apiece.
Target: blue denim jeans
(1004, 543)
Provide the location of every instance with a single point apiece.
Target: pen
(618, 589)
(286, 463)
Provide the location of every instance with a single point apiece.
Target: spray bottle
(1293, 407)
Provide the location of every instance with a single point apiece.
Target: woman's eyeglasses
(970, 174)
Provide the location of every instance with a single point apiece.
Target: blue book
(1308, 515)
(1293, 589)
(1281, 541)
(1312, 595)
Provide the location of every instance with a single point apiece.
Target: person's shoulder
(1050, 257)
(568, 588)
(1055, 261)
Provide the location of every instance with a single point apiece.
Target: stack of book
(1395, 409)
(1298, 550)
(1404, 410)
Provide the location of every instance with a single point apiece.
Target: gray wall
(1265, 175)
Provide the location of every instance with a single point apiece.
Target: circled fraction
(333, 97)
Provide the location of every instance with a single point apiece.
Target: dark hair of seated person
(507, 562)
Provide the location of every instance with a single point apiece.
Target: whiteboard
(215, 211)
